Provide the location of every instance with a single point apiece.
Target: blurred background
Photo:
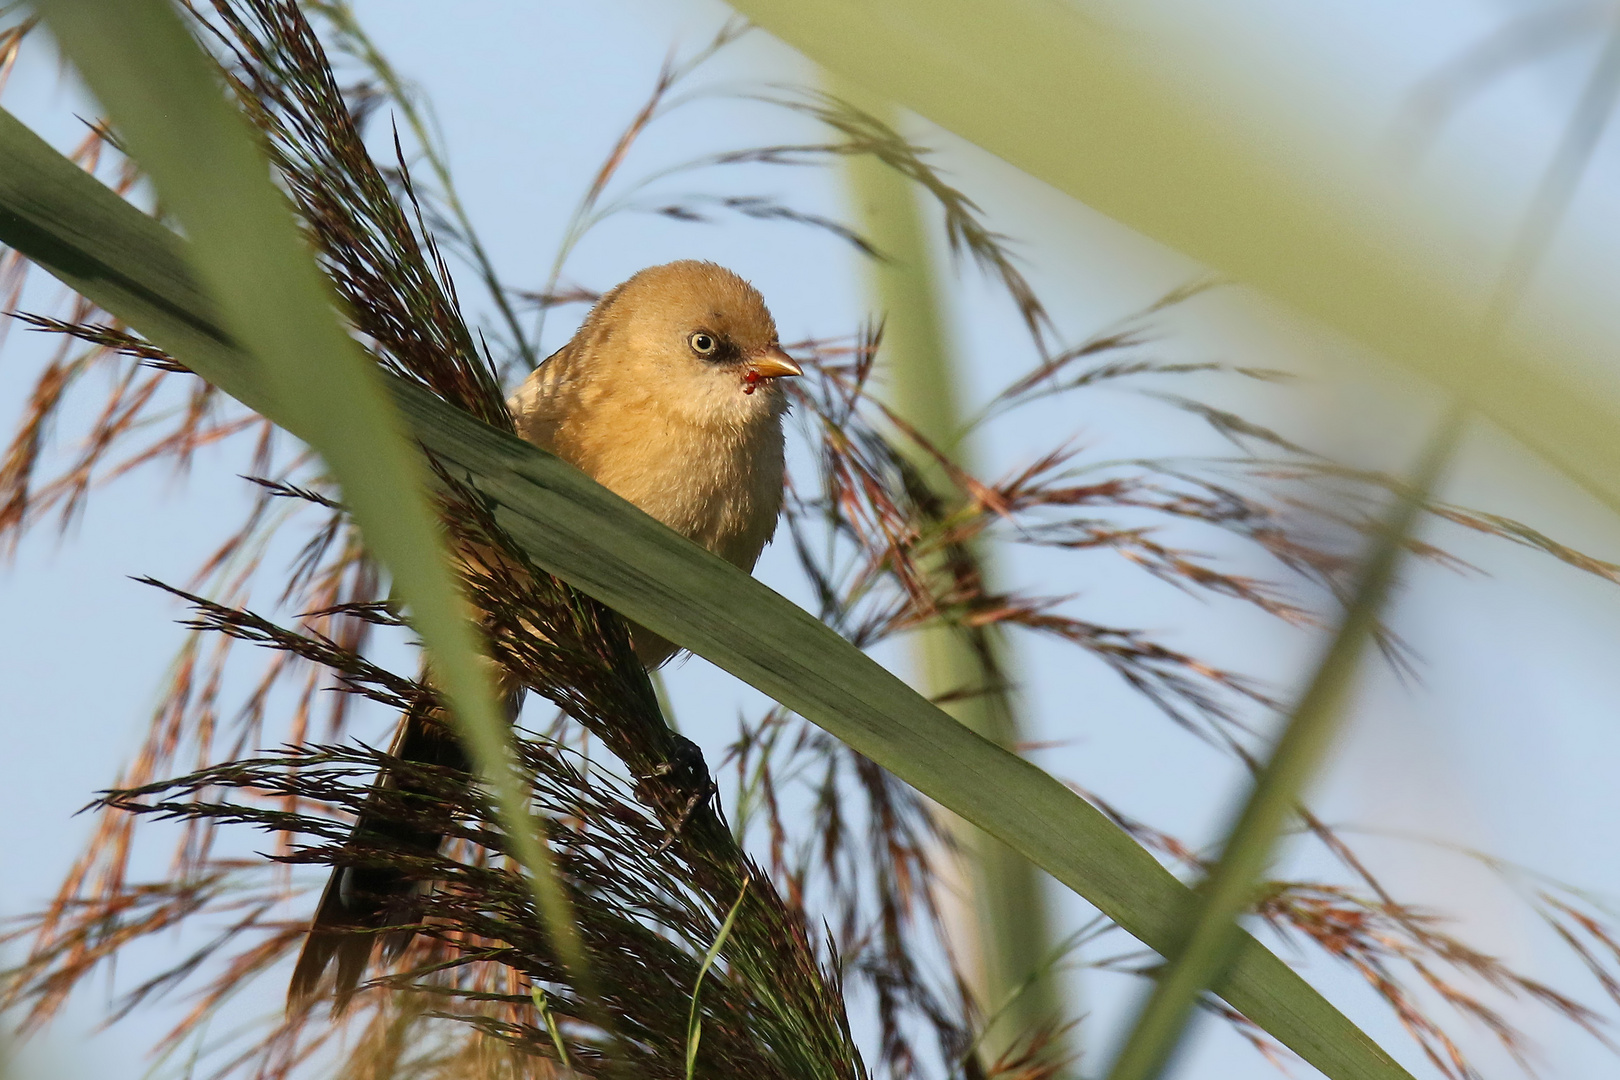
(1501, 738)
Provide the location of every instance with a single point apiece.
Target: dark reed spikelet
(646, 928)
(385, 266)
(537, 628)
(681, 832)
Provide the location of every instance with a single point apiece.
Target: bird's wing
(536, 403)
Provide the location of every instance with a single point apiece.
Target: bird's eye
(703, 343)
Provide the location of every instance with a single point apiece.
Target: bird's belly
(724, 502)
(729, 508)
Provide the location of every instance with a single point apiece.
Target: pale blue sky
(1509, 742)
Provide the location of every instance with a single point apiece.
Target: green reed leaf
(164, 97)
(108, 251)
(1018, 980)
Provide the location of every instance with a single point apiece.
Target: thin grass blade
(542, 1005)
(694, 1019)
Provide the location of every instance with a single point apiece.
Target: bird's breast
(719, 483)
(719, 487)
(722, 491)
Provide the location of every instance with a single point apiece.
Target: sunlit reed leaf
(1070, 100)
(162, 93)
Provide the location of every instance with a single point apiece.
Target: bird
(670, 396)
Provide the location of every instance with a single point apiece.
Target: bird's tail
(359, 902)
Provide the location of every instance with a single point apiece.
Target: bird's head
(698, 340)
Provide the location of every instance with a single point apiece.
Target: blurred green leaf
(165, 99)
(571, 526)
(1020, 985)
(1229, 890)
(1057, 92)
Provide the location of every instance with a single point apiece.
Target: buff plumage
(669, 395)
(692, 438)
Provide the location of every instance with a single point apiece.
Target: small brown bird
(668, 395)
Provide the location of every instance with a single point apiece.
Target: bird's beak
(772, 363)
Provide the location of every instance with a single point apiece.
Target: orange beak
(772, 363)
